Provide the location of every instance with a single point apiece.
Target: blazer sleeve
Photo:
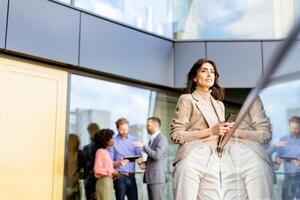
(160, 149)
(260, 123)
(180, 124)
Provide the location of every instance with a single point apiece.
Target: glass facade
(201, 19)
(281, 101)
(238, 19)
(152, 16)
(103, 102)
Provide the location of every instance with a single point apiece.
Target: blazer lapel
(154, 141)
(204, 111)
(218, 109)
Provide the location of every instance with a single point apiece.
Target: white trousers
(240, 174)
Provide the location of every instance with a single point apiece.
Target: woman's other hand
(115, 175)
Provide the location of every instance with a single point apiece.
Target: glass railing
(151, 16)
(279, 90)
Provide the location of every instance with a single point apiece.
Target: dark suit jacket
(156, 164)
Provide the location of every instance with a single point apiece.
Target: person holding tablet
(288, 153)
(125, 184)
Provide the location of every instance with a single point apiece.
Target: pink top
(103, 164)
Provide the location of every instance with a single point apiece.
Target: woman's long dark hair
(216, 91)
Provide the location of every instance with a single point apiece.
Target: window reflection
(165, 106)
(153, 16)
(203, 19)
(282, 105)
(73, 171)
(260, 19)
(103, 102)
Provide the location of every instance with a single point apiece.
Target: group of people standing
(287, 154)
(115, 158)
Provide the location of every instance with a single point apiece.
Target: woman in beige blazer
(198, 123)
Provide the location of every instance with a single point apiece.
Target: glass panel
(202, 19)
(234, 99)
(153, 16)
(165, 106)
(236, 19)
(103, 102)
(281, 104)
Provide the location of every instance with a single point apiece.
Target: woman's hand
(115, 175)
(229, 124)
(239, 134)
(277, 163)
(221, 128)
(295, 162)
(281, 143)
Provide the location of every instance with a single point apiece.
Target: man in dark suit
(156, 164)
(87, 160)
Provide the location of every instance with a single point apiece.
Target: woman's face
(205, 77)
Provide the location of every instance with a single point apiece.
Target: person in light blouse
(103, 169)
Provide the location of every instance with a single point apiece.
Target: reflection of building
(80, 118)
(164, 108)
(137, 130)
(293, 112)
(266, 19)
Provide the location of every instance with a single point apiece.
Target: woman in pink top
(103, 168)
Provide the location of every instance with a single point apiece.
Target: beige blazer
(257, 127)
(191, 116)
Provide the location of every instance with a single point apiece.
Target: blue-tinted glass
(152, 16)
(237, 19)
(281, 101)
(203, 19)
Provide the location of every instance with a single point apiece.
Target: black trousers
(90, 188)
(126, 186)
